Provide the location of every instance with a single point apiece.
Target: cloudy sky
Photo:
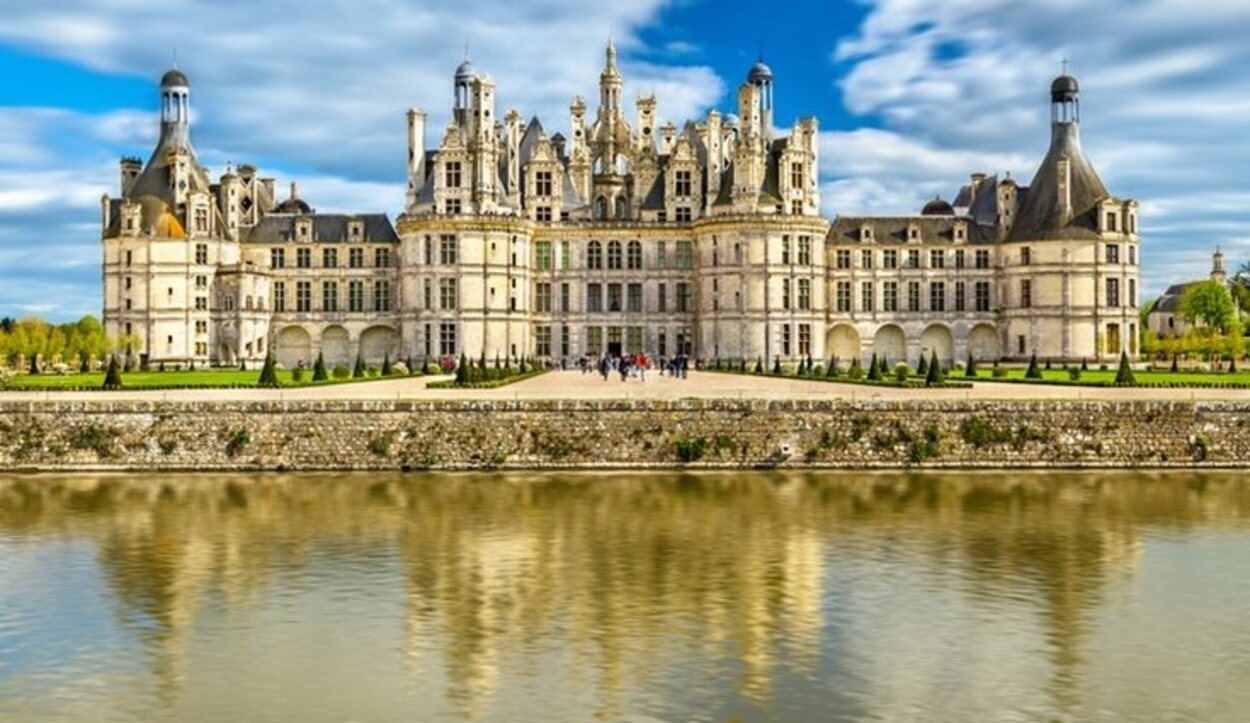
(912, 96)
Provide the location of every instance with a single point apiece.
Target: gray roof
(327, 227)
(893, 229)
(1040, 217)
(174, 77)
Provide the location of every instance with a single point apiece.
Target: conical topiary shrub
(856, 371)
(320, 374)
(831, 371)
(933, 377)
(777, 366)
(113, 377)
(462, 371)
(922, 368)
(269, 373)
(1033, 372)
(359, 371)
(1124, 375)
(1084, 365)
(874, 369)
(971, 370)
(1175, 369)
(759, 365)
(386, 365)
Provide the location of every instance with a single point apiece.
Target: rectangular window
(1132, 255)
(682, 187)
(685, 255)
(913, 258)
(865, 259)
(201, 327)
(565, 255)
(983, 258)
(564, 341)
(451, 175)
(447, 250)
(937, 258)
(865, 296)
(303, 296)
(201, 303)
(542, 297)
(1026, 256)
(662, 300)
(959, 258)
(913, 296)
(843, 296)
(1113, 338)
(429, 259)
(843, 259)
(356, 296)
(1132, 293)
(329, 296)
(594, 340)
(785, 294)
(937, 296)
(356, 258)
(1026, 293)
(382, 258)
(889, 296)
(201, 282)
(961, 296)
(381, 296)
(805, 294)
(303, 258)
(201, 220)
(796, 176)
(542, 214)
(542, 255)
(452, 206)
(805, 339)
(634, 298)
(633, 340)
(279, 296)
(889, 259)
(1113, 292)
(201, 254)
(447, 339)
(427, 294)
(330, 258)
(785, 340)
(564, 298)
(683, 297)
(542, 340)
(1113, 253)
(661, 255)
(447, 294)
(614, 298)
(542, 187)
(1111, 221)
(277, 258)
(805, 250)
(982, 291)
(594, 298)
(682, 214)
(785, 249)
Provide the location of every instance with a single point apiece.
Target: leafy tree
(1033, 372)
(1124, 375)
(320, 374)
(1209, 304)
(269, 373)
(113, 377)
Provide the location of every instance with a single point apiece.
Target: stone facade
(626, 237)
(624, 434)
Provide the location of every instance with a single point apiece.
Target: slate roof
(893, 229)
(327, 228)
(1040, 217)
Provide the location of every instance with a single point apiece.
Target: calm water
(613, 597)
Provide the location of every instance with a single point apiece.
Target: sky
(912, 97)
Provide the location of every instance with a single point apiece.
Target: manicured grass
(1098, 377)
(206, 379)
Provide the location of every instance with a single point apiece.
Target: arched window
(634, 255)
(614, 254)
(594, 255)
(601, 208)
(622, 165)
(620, 207)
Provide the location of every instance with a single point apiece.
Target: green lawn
(1096, 376)
(161, 380)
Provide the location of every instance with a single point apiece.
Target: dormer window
(1111, 221)
(913, 233)
(682, 184)
(451, 177)
(355, 230)
(542, 183)
(961, 233)
(865, 234)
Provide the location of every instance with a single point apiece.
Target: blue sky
(912, 96)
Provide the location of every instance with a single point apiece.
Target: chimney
(416, 153)
(1064, 187)
(131, 167)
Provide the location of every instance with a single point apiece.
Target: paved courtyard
(575, 385)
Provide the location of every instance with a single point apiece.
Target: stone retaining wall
(635, 434)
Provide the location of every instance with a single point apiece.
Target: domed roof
(173, 77)
(1064, 86)
(937, 207)
(759, 71)
(466, 71)
(731, 119)
(293, 205)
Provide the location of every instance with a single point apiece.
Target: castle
(625, 237)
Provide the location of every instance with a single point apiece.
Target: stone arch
(938, 338)
(843, 342)
(225, 355)
(890, 342)
(291, 346)
(601, 208)
(335, 346)
(377, 342)
(983, 343)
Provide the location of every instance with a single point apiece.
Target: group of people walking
(634, 365)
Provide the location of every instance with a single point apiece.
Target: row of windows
(891, 301)
(381, 299)
(891, 258)
(330, 258)
(622, 298)
(803, 332)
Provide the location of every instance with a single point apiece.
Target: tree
(777, 366)
(1174, 366)
(1209, 304)
(1124, 375)
(269, 373)
(462, 371)
(358, 372)
(922, 368)
(1033, 372)
(386, 364)
(934, 376)
(874, 369)
(113, 377)
(759, 365)
(320, 374)
(971, 370)
(831, 371)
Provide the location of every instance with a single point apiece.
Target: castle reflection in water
(778, 584)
